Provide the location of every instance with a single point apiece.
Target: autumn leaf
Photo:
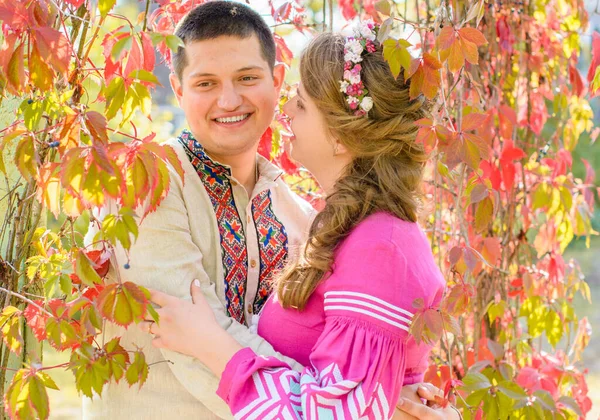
(40, 73)
(137, 372)
(48, 182)
(54, 48)
(509, 155)
(117, 358)
(484, 214)
(16, 71)
(459, 45)
(594, 63)
(10, 326)
(91, 371)
(396, 54)
(424, 75)
(123, 303)
(457, 300)
(36, 319)
(85, 269)
(428, 323)
(97, 126)
(27, 397)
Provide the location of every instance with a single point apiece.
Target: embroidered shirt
(352, 337)
(253, 240)
(182, 241)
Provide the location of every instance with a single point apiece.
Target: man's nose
(229, 98)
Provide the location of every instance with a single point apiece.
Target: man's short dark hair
(223, 18)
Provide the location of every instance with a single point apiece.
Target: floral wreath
(357, 96)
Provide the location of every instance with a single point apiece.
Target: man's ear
(176, 86)
(278, 76)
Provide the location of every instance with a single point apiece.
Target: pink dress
(352, 337)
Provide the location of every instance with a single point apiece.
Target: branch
(23, 298)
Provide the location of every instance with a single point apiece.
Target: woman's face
(312, 145)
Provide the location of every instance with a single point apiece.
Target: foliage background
(167, 119)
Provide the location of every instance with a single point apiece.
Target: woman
(343, 309)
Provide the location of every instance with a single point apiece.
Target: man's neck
(243, 168)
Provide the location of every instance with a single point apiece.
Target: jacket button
(253, 263)
(249, 308)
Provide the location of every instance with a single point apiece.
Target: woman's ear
(338, 147)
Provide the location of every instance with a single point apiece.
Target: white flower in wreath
(366, 104)
(354, 46)
(351, 57)
(343, 86)
(366, 32)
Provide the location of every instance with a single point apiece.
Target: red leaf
(54, 47)
(492, 173)
(101, 261)
(576, 81)
(36, 319)
(508, 120)
(284, 54)
(96, 124)
(504, 32)
(287, 164)
(14, 14)
(595, 62)
(265, 144)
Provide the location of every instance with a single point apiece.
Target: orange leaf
(16, 70)
(458, 45)
(40, 74)
(48, 191)
(424, 76)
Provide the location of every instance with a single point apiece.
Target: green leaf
(91, 372)
(554, 328)
(115, 96)
(174, 42)
(512, 390)
(496, 310)
(84, 268)
(11, 328)
(27, 397)
(122, 45)
(123, 303)
(26, 158)
(571, 404)
(396, 54)
(384, 7)
(106, 6)
(138, 370)
(144, 76)
(535, 311)
(117, 358)
(32, 113)
(475, 381)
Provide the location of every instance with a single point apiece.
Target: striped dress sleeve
(357, 365)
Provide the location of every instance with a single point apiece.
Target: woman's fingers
(429, 391)
(196, 291)
(418, 410)
(160, 298)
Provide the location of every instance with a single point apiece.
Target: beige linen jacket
(178, 243)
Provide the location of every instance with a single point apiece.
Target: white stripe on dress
(369, 297)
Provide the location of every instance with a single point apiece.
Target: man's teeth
(232, 119)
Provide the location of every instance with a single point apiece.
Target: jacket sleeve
(164, 257)
(357, 366)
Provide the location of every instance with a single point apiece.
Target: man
(233, 222)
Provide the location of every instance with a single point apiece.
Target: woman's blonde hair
(387, 165)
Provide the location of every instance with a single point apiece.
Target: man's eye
(204, 84)
(248, 78)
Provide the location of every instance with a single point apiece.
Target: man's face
(228, 93)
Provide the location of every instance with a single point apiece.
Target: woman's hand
(190, 327)
(410, 407)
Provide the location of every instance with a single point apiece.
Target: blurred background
(167, 119)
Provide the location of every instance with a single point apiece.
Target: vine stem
(25, 299)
